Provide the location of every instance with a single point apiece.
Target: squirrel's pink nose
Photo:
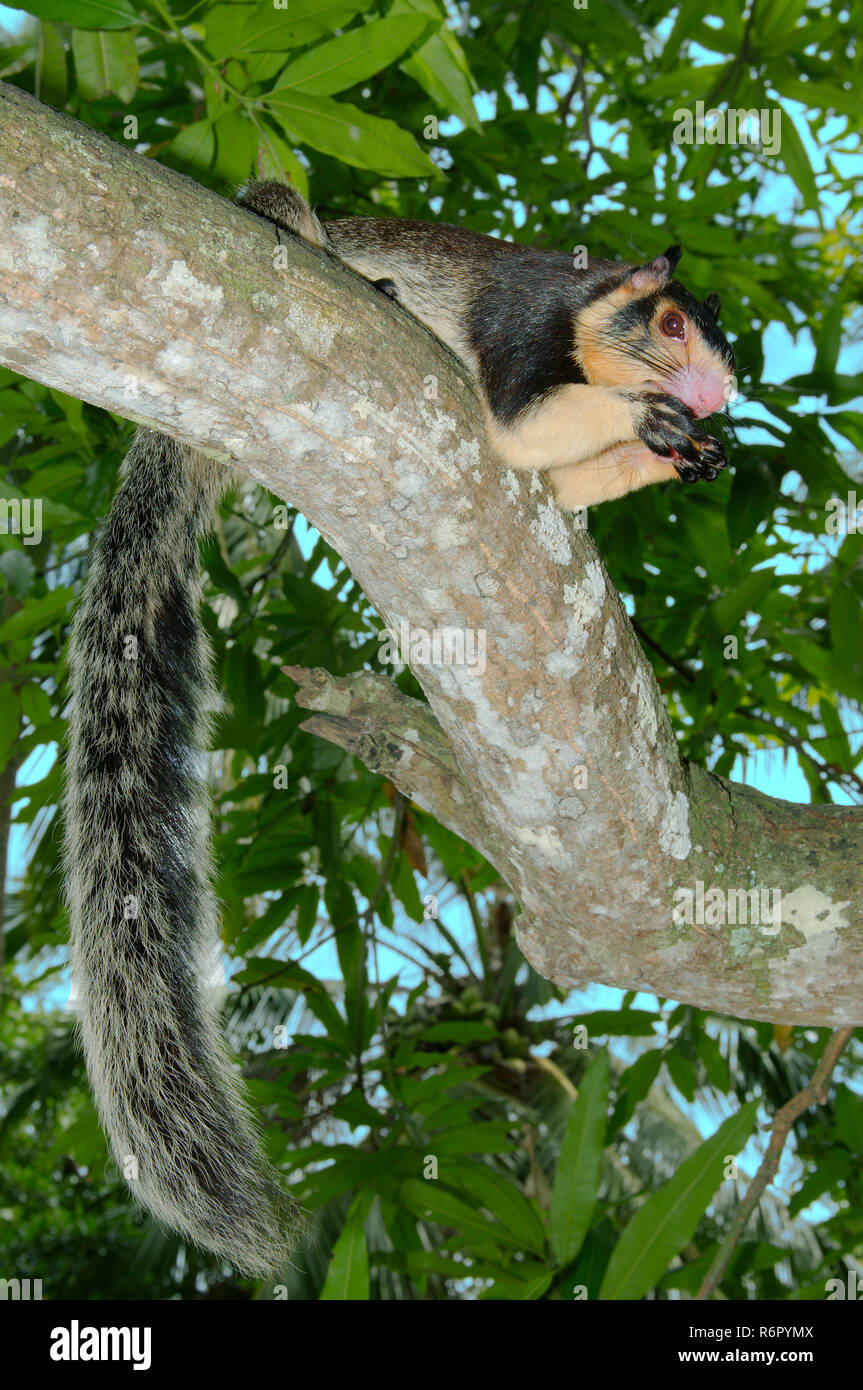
(708, 399)
(703, 398)
(704, 393)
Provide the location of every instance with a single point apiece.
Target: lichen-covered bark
(128, 286)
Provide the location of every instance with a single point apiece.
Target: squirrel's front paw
(669, 429)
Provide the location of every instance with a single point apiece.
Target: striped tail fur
(144, 920)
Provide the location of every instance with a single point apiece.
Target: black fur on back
(522, 326)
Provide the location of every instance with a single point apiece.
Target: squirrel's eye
(673, 325)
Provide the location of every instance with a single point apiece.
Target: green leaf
(35, 703)
(630, 1023)
(342, 912)
(815, 660)
(355, 1109)
(533, 1286)
(36, 616)
(849, 1119)
(270, 30)
(850, 424)
(753, 498)
(404, 886)
(276, 160)
(632, 1087)
(747, 1257)
(342, 130)
(348, 1277)
(10, 720)
(775, 21)
(666, 1222)
(354, 56)
(485, 1136)
(503, 1198)
(419, 1262)
(429, 1200)
(440, 67)
(796, 160)
(195, 145)
(576, 1181)
(105, 63)
(832, 1169)
(84, 14)
(714, 1063)
(18, 570)
(436, 71)
(52, 78)
(845, 624)
(263, 927)
(236, 147)
(243, 680)
(52, 513)
(742, 599)
(835, 748)
(276, 974)
(829, 339)
(681, 1069)
(307, 912)
(223, 25)
(458, 1032)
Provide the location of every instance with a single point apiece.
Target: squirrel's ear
(657, 273)
(713, 304)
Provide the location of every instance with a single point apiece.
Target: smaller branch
(266, 575)
(578, 84)
(735, 67)
(815, 1093)
(397, 736)
(565, 107)
(585, 113)
(455, 946)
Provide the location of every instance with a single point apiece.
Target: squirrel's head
(645, 329)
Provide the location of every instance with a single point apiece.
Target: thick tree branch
(132, 288)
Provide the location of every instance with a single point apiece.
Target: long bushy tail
(143, 915)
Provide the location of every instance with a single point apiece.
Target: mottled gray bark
(130, 287)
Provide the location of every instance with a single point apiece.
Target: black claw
(701, 472)
(669, 428)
